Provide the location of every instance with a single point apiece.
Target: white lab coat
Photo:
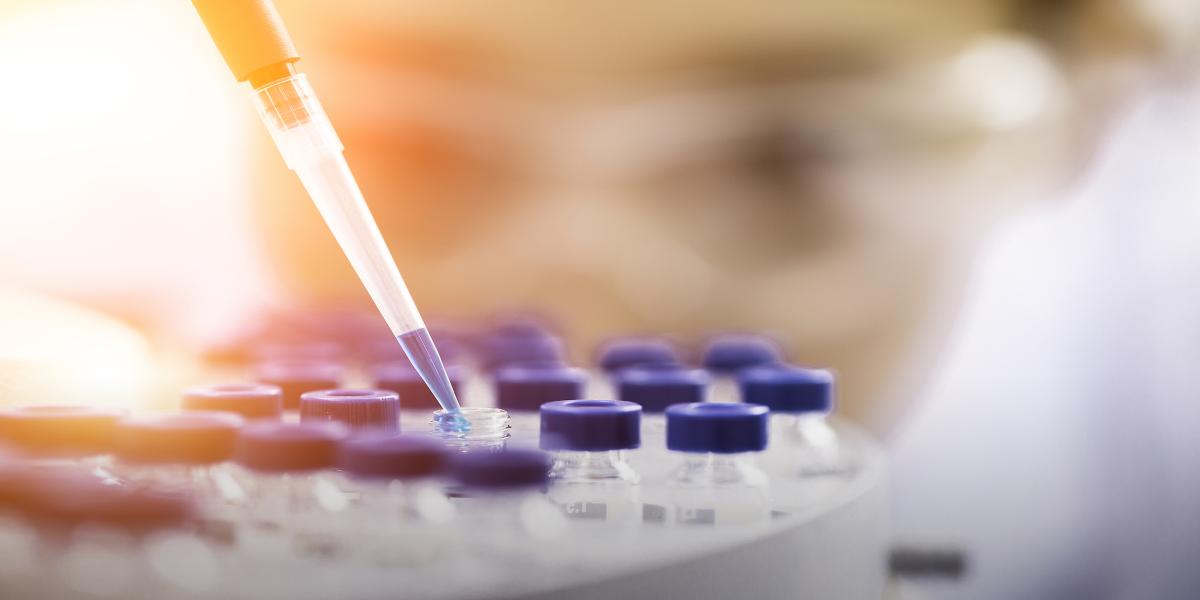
(1061, 443)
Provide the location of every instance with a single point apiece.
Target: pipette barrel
(310, 147)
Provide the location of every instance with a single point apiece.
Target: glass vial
(473, 428)
(590, 480)
(718, 482)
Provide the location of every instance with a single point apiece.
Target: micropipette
(254, 43)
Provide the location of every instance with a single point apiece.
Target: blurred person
(821, 171)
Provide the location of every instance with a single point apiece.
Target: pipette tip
(423, 355)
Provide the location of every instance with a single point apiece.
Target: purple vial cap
(61, 430)
(183, 438)
(591, 425)
(520, 324)
(731, 353)
(719, 428)
(788, 389)
(637, 352)
(656, 389)
(500, 351)
(250, 400)
(295, 377)
(507, 469)
(281, 447)
(375, 410)
(393, 457)
(528, 388)
(402, 378)
(309, 350)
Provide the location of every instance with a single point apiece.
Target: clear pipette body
(311, 148)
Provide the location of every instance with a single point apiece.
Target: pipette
(254, 43)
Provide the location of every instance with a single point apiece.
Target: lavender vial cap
(394, 457)
(731, 353)
(656, 389)
(528, 388)
(250, 400)
(185, 438)
(376, 410)
(637, 352)
(788, 389)
(506, 469)
(295, 377)
(60, 430)
(289, 447)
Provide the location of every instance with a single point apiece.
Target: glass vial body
(718, 482)
(402, 516)
(809, 447)
(472, 429)
(292, 491)
(718, 490)
(596, 487)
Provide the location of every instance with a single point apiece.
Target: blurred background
(980, 213)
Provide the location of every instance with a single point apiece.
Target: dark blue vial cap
(312, 350)
(656, 389)
(402, 378)
(393, 457)
(193, 437)
(528, 388)
(250, 400)
(787, 389)
(637, 352)
(719, 428)
(376, 410)
(496, 352)
(591, 425)
(295, 377)
(527, 325)
(271, 446)
(507, 469)
(730, 353)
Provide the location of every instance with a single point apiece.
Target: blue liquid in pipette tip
(423, 355)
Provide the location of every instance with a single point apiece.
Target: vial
(625, 353)
(473, 428)
(312, 350)
(295, 377)
(522, 390)
(189, 452)
(501, 502)
(292, 489)
(733, 352)
(717, 483)
(360, 411)
(71, 437)
(590, 480)
(250, 400)
(520, 348)
(800, 401)
(94, 539)
(402, 378)
(401, 499)
(655, 389)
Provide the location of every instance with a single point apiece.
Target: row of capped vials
(238, 469)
